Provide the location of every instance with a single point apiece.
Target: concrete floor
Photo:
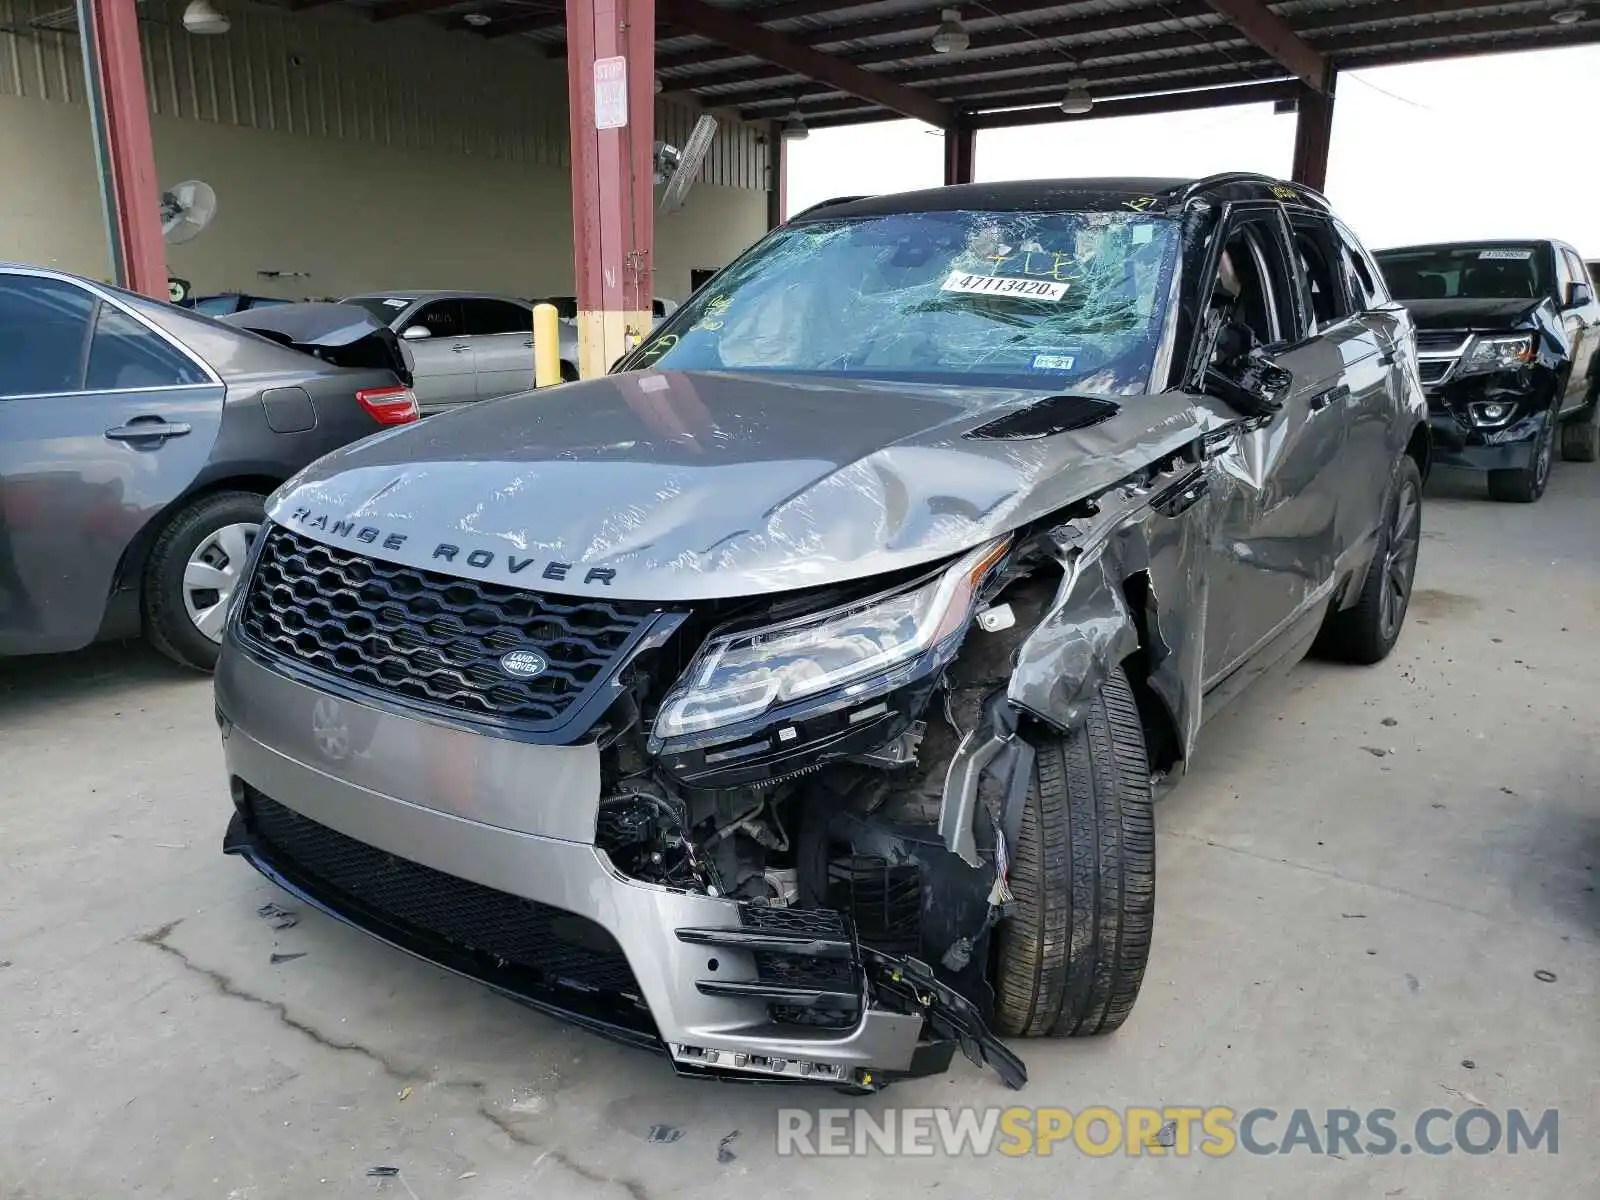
(1336, 929)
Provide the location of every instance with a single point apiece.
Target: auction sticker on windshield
(1507, 255)
(1002, 285)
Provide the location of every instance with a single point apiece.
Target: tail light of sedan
(390, 405)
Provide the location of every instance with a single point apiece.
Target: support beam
(1277, 37)
(963, 66)
(777, 175)
(1005, 33)
(1192, 71)
(1313, 135)
(960, 153)
(613, 193)
(388, 10)
(119, 112)
(528, 24)
(1140, 106)
(734, 31)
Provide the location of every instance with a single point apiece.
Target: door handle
(147, 430)
(528, 343)
(1332, 396)
(459, 349)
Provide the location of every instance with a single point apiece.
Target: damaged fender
(1147, 541)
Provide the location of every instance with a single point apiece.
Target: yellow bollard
(546, 345)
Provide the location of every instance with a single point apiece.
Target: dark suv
(1506, 337)
(789, 699)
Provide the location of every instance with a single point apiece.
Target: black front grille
(564, 949)
(431, 638)
(1439, 341)
(1433, 370)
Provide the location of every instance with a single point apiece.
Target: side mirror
(1578, 294)
(1244, 377)
(416, 333)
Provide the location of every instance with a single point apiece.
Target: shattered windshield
(1053, 300)
(1468, 272)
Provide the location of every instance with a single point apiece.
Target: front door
(104, 422)
(445, 369)
(1276, 540)
(502, 342)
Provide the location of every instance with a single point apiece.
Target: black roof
(1057, 195)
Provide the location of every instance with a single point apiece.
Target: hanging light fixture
(202, 17)
(1077, 101)
(795, 127)
(1567, 16)
(476, 19)
(951, 36)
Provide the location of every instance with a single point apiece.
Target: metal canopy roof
(841, 62)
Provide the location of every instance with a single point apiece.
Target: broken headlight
(738, 677)
(1498, 354)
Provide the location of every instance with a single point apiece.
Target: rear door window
(441, 318)
(125, 354)
(44, 335)
(486, 316)
(1317, 247)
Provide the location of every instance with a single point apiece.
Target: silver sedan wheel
(212, 573)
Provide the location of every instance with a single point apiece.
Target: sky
(1500, 146)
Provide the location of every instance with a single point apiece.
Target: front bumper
(477, 853)
(1459, 442)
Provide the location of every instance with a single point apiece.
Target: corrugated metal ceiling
(1027, 47)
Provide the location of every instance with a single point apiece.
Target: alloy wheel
(212, 574)
(1400, 559)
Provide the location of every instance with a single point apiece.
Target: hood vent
(1046, 418)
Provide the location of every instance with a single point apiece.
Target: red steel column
(1313, 134)
(120, 113)
(613, 189)
(960, 153)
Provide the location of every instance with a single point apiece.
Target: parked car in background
(138, 441)
(1507, 334)
(789, 699)
(467, 346)
(225, 303)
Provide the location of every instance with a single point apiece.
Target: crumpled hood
(696, 485)
(1480, 315)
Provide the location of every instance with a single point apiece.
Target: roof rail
(828, 204)
(1223, 178)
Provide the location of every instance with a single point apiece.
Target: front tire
(1365, 632)
(194, 567)
(1069, 962)
(1580, 437)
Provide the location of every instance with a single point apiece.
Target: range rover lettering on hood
(704, 485)
(456, 556)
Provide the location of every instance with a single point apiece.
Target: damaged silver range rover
(789, 700)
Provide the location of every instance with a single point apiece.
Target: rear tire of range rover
(1365, 632)
(1070, 960)
(212, 532)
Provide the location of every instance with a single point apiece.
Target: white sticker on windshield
(1507, 255)
(396, 303)
(1143, 235)
(1053, 362)
(1003, 285)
